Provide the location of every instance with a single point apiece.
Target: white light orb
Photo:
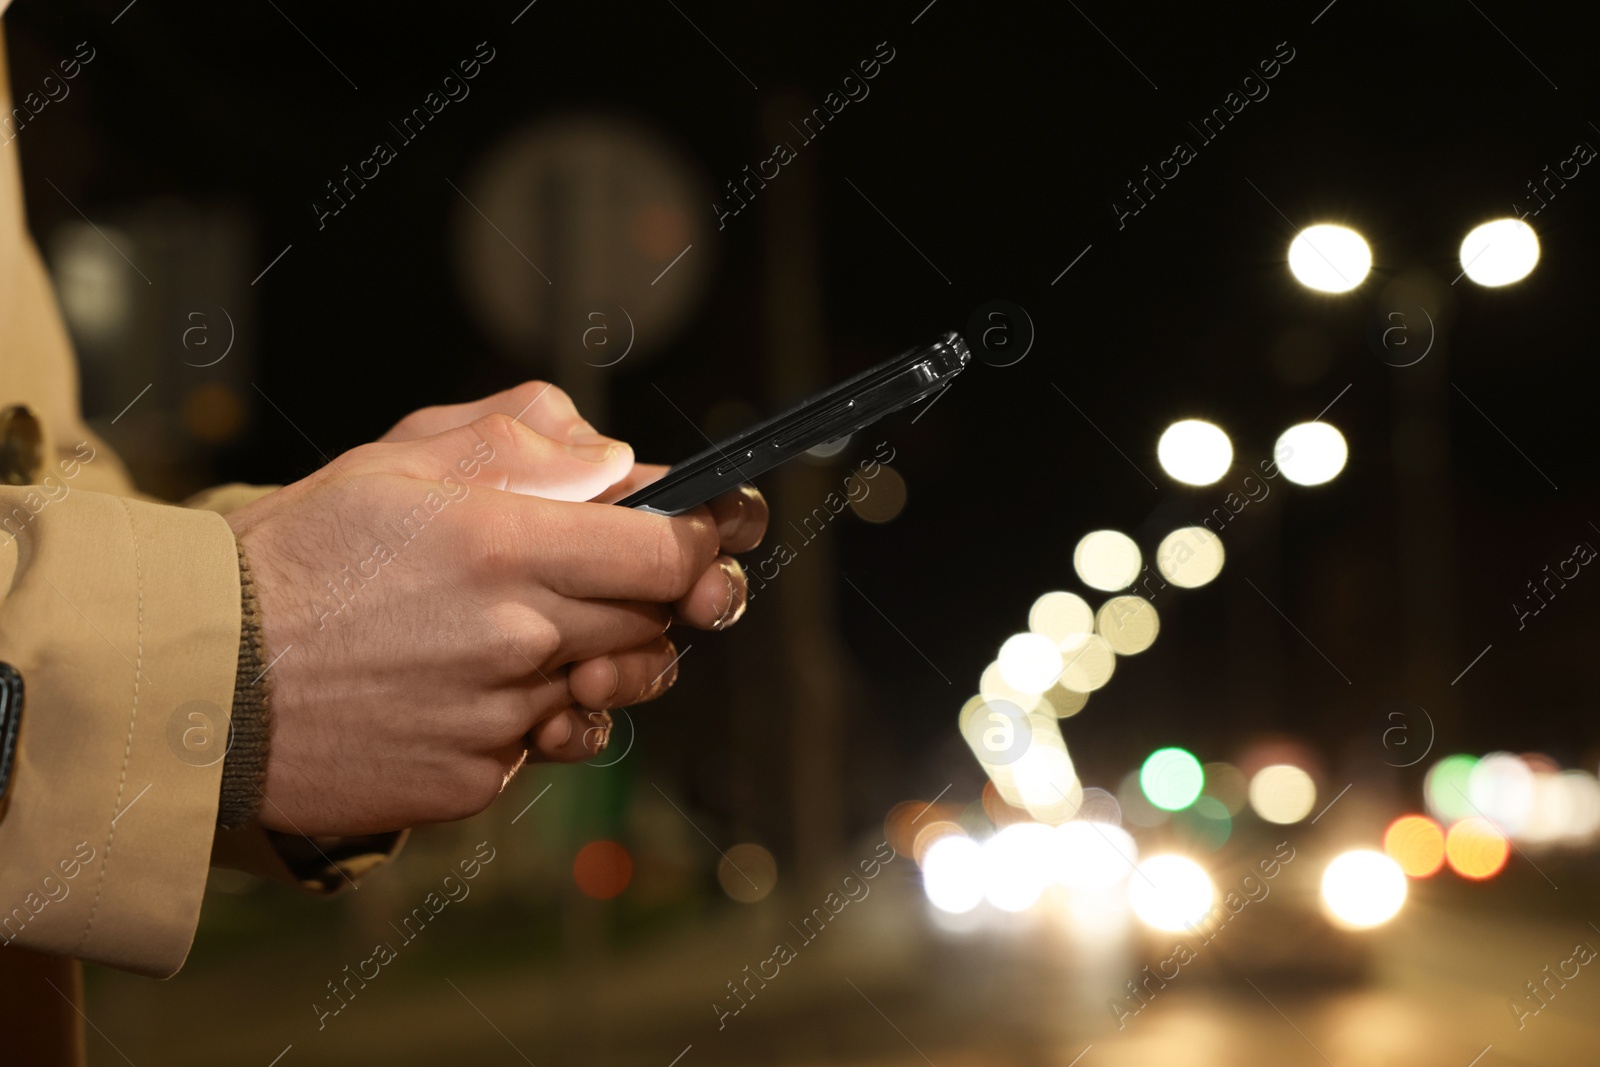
(1195, 452)
(1501, 789)
(1170, 892)
(1500, 252)
(1311, 453)
(1329, 258)
(1018, 863)
(952, 874)
(1363, 888)
(1094, 855)
(1029, 662)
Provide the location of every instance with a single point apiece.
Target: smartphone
(837, 412)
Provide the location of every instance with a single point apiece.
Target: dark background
(996, 141)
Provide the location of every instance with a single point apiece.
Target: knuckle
(540, 638)
(531, 392)
(503, 431)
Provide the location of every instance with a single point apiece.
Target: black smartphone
(837, 412)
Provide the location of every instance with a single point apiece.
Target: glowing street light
(1195, 452)
(1311, 453)
(1500, 252)
(1329, 258)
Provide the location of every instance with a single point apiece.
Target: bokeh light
(1190, 557)
(1094, 855)
(1136, 807)
(1171, 778)
(1500, 252)
(1194, 452)
(602, 869)
(1445, 788)
(1228, 784)
(1500, 788)
(1018, 862)
(1107, 560)
(1087, 663)
(1363, 888)
(1311, 453)
(992, 686)
(747, 872)
(1129, 624)
(952, 874)
(1205, 823)
(1029, 662)
(930, 833)
(1171, 892)
(1329, 258)
(879, 500)
(1282, 793)
(1475, 849)
(1064, 703)
(1059, 616)
(1416, 843)
(1099, 805)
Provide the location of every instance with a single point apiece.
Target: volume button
(734, 460)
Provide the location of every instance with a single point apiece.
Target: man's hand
(421, 597)
(715, 601)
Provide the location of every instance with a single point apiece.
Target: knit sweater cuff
(244, 769)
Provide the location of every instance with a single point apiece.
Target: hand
(716, 600)
(418, 599)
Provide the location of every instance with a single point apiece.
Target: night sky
(998, 142)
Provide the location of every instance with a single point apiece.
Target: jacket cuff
(122, 617)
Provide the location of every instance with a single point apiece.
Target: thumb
(497, 451)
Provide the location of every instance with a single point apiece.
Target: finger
(588, 551)
(587, 628)
(623, 678)
(544, 408)
(717, 598)
(570, 736)
(741, 517)
(497, 451)
(641, 475)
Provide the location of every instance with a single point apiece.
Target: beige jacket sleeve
(123, 617)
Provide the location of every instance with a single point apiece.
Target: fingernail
(668, 676)
(601, 451)
(616, 679)
(601, 730)
(734, 575)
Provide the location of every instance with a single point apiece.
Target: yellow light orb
(1107, 560)
(1128, 623)
(1190, 557)
(1282, 793)
(1087, 663)
(1061, 615)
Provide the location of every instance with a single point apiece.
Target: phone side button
(733, 461)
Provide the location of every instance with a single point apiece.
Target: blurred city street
(891, 989)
